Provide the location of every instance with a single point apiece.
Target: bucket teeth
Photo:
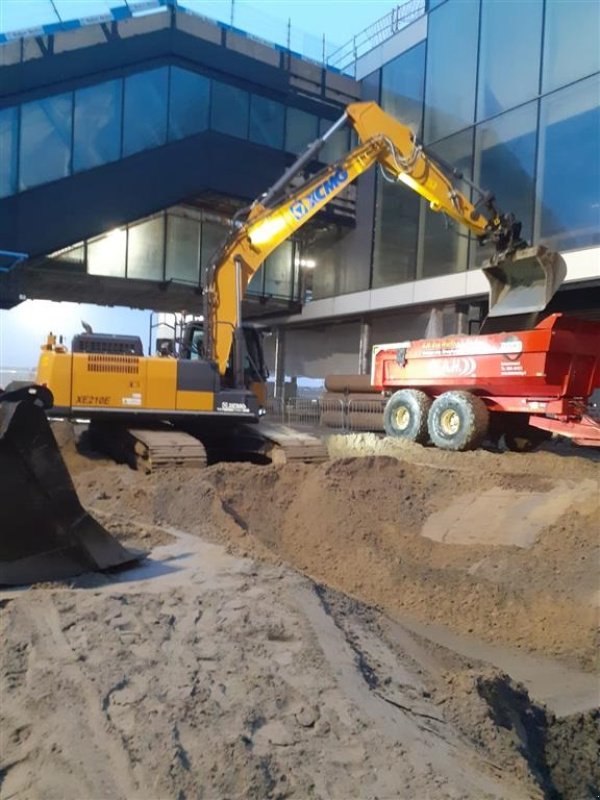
(45, 533)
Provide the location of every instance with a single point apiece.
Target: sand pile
(356, 525)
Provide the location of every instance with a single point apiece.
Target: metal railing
(342, 414)
(345, 57)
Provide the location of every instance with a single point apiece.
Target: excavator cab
(255, 371)
(521, 286)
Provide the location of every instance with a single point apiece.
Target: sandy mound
(356, 525)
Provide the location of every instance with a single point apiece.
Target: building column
(462, 319)
(279, 363)
(364, 348)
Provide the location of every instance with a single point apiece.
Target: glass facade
(145, 111)
(444, 247)
(505, 165)
(45, 151)
(571, 42)
(9, 122)
(63, 134)
(189, 103)
(402, 86)
(568, 197)
(230, 110)
(302, 129)
(97, 127)
(512, 98)
(509, 55)
(267, 121)
(177, 245)
(451, 72)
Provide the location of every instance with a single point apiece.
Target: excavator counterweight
(46, 534)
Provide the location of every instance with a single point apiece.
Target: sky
(23, 328)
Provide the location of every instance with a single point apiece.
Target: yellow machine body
(85, 382)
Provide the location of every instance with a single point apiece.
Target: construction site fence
(343, 414)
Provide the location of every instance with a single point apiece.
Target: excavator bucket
(45, 534)
(525, 282)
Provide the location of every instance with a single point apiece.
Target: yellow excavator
(165, 410)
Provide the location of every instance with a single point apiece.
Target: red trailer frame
(548, 372)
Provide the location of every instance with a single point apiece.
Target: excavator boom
(519, 285)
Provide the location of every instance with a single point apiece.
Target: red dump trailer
(522, 386)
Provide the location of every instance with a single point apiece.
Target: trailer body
(547, 373)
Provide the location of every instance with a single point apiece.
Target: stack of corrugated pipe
(351, 403)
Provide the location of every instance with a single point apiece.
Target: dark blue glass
(189, 103)
(229, 110)
(45, 153)
(9, 121)
(97, 132)
(267, 121)
(568, 212)
(145, 111)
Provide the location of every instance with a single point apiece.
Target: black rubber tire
(417, 405)
(472, 418)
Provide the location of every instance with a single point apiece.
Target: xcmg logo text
(301, 207)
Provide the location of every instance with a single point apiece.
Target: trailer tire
(405, 415)
(458, 421)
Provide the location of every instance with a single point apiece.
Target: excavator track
(149, 449)
(284, 445)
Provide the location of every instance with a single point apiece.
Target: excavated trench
(478, 569)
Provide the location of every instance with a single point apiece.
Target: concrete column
(364, 348)
(462, 319)
(279, 362)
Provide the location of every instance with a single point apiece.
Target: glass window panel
(183, 249)
(9, 121)
(568, 211)
(445, 244)
(509, 55)
(396, 230)
(327, 253)
(106, 255)
(45, 140)
(97, 132)
(571, 41)
(505, 165)
(267, 118)
(336, 146)
(301, 130)
(145, 111)
(229, 110)
(402, 86)
(213, 236)
(145, 249)
(189, 103)
(451, 68)
(279, 272)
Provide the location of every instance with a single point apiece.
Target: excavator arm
(281, 211)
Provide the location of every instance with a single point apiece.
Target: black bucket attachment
(45, 533)
(524, 282)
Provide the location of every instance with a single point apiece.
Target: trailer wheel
(405, 415)
(458, 421)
